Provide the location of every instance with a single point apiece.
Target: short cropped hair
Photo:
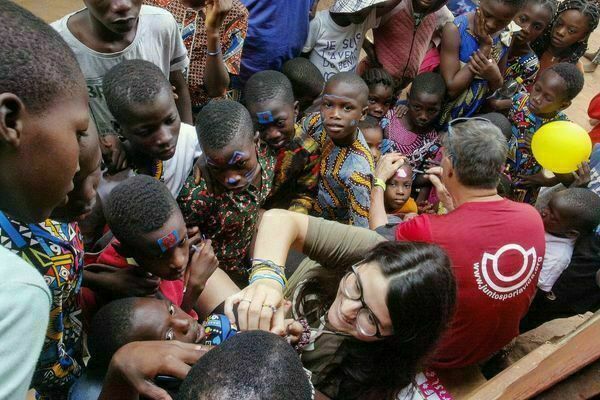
(513, 3)
(430, 83)
(350, 78)
(36, 64)
(268, 85)
(132, 82)
(138, 205)
(500, 121)
(584, 208)
(305, 77)
(221, 122)
(368, 123)
(248, 366)
(110, 330)
(478, 151)
(572, 77)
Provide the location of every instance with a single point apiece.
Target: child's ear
(572, 233)
(11, 119)
(256, 138)
(365, 110)
(296, 109)
(566, 104)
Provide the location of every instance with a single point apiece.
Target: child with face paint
(237, 171)
(397, 200)
(566, 39)
(346, 166)
(270, 100)
(151, 242)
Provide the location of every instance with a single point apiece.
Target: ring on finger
(245, 300)
(272, 307)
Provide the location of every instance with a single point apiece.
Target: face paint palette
(169, 241)
(265, 117)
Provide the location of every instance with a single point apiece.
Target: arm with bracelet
(385, 169)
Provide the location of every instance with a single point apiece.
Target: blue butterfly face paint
(169, 241)
(236, 157)
(265, 117)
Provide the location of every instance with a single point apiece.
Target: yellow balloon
(560, 146)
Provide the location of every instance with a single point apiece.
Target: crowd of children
(147, 152)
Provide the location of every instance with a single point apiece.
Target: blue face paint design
(265, 117)
(169, 241)
(231, 181)
(236, 157)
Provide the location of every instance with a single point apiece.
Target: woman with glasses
(371, 310)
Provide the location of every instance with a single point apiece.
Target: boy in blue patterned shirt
(346, 170)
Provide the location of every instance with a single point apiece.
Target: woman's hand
(260, 306)
(388, 165)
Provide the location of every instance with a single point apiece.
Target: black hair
(572, 77)
(368, 123)
(36, 64)
(268, 85)
(305, 77)
(110, 330)
(500, 121)
(350, 78)
(584, 207)
(248, 366)
(513, 3)
(378, 76)
(588, 8)
(221, 122)
(551, 5)
(420, 300)
(430, 83)
(138, 205)
(132, 82)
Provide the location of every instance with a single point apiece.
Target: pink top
(396, 55)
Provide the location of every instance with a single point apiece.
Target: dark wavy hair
(420, 300)
(590, 9)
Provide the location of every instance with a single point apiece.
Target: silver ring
(245, 300)
(273, 308)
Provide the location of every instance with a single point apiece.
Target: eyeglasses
(367, 323)
(452, 154)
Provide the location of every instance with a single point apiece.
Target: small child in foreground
(554, 90)
(571, 214)
(346, 170)
(397, 200)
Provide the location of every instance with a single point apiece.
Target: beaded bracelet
(304, 337)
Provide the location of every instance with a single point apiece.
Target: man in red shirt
(496, 245)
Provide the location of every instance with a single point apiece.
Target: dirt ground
(51, 10)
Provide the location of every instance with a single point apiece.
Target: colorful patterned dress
(56, 250)
(193, 32)
(520, 157)
(472, 99)
(526, 67)
(296, 175)
(346, 175)
(228, 218)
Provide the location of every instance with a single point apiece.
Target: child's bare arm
(216, 79)
(183, 101)
(457, 78)
(201, 266)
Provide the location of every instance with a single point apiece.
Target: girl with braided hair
(567, 37)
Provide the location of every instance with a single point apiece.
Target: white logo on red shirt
(494, 283)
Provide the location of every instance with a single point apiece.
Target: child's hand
(216, 11)
(485, 68)
(582, 176)
(203, 262)
(113, 153)
(533, 181)
(119, 283)
(400, 110)
(479, 31)
(293, 331)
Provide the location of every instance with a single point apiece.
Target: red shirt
(91, 302)
(594, 113)
(496, 249)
